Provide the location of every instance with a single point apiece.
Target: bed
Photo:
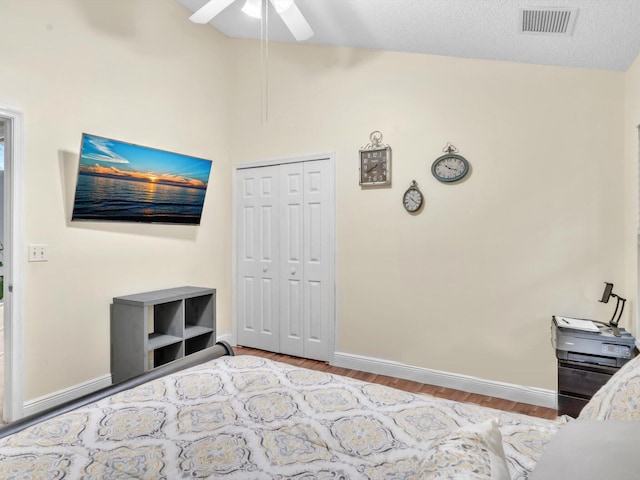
(246, 417)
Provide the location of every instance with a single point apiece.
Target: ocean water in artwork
(105, 198)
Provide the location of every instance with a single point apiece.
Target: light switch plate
(38, 253)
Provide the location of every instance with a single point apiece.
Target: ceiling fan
(287, 9)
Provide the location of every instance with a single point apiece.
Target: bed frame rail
(220, 349)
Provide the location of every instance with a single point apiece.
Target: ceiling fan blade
(295, 22)
(209, 10)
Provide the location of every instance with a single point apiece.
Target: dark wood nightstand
(578, 382)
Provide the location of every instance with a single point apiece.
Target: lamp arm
(623, 300)
(613, 321)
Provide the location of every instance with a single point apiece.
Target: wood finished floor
(407, 385)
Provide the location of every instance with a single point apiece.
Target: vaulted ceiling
(605, 35)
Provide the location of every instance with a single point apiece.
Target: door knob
(264, 269)
(293, 271)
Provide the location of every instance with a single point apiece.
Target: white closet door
(291, 258)
(258, 257)
(285, 257)
(318, 290)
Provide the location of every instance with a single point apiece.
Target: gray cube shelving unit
(153, 328)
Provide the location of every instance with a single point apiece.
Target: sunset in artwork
(164, 178)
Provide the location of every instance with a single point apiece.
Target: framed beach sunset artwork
(124, 182)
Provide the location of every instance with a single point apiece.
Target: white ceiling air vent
(547, 21)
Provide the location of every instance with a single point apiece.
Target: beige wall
(468, 285)
(632, 156)
(137, 71)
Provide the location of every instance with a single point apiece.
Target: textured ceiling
(606, 33)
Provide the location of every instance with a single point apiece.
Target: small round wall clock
(450, 167)
(375, 162)
(412, 198)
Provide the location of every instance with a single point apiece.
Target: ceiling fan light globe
(253, 8)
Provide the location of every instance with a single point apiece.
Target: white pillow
(471, 453)
(591, 450)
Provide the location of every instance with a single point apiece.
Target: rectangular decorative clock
(375, 162)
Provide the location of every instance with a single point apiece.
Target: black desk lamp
(608, 293)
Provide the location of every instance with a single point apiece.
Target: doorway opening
(1, 270)
(12, 386)
(637, 310)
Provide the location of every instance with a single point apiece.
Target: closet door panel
(258, 279)
(316, 309)
(291, 255)
(317, 259)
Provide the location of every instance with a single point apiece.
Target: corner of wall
(632, 193)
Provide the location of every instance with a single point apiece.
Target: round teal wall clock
(450, 167)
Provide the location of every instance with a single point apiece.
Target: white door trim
(634, 305)
(234, 252)
(280, 161)
(14, 279)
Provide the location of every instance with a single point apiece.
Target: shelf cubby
(200, 342)
(153, 328)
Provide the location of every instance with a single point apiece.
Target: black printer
(601, 347)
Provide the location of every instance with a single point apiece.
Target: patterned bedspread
(246, 417)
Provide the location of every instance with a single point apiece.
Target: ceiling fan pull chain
(291, 17)
(261, 60)
(266, 64)
(264, 61)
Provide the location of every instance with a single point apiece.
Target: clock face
(375, 167)
(412, 199)
(450, 168)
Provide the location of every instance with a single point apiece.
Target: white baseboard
(225, 337)
(54, 399)
(39, 404)
(515, 393)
